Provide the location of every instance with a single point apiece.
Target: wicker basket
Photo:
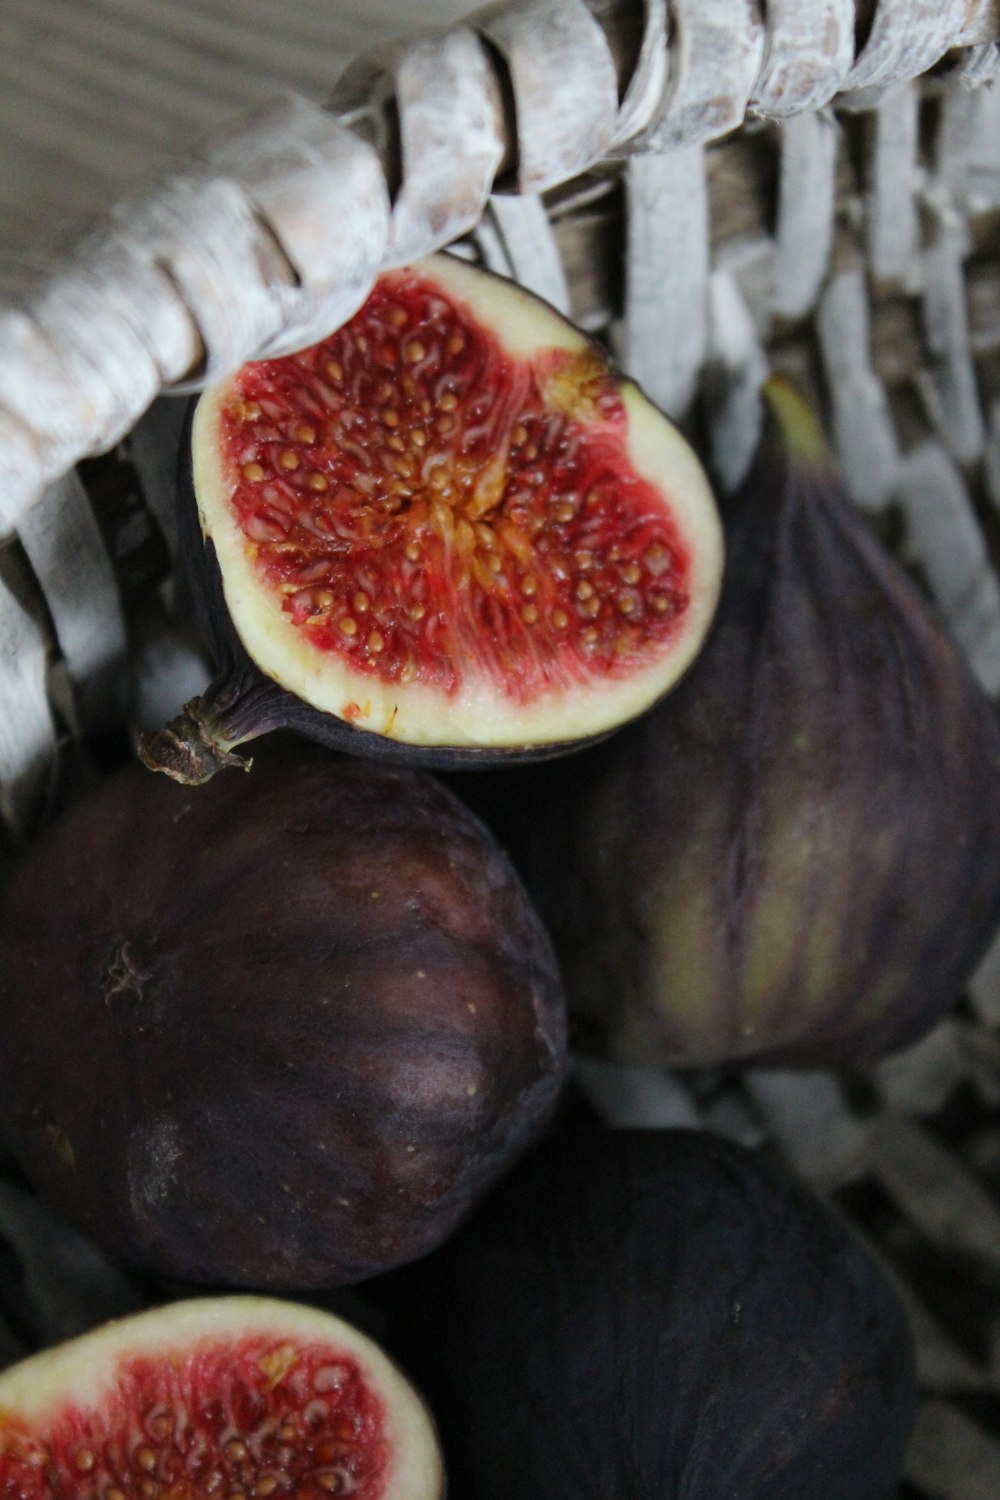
(714, 193)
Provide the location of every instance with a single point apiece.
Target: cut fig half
(228, 1396)
(450, 531)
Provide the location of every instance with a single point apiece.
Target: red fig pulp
(230, 1396)
(450, 528)
(796, 855)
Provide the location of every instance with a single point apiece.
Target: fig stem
(189, 749)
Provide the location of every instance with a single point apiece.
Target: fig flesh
(448, 532)
(280, 1033)
(679, 1318)
(216, 1396)
(796, 856)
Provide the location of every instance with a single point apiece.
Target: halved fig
(227, 1396)
(450, 530)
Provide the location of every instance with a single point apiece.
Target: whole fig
(679, 1318)
(281, 1033)
(797, 855)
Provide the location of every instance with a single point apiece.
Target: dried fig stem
(188, 749)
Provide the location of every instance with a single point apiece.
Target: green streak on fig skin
(802, 435)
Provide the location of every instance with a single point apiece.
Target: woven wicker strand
(808, 51)
(906, 38)
(663, 338)
(451, 135)
(805, 224)
(893, 226)
(288, 157)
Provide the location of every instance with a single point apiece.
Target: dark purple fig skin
(242, 703)
(679, 1318)
(796, 856)
(278, 1032)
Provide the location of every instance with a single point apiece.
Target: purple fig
(279, 1033)
(796, 856)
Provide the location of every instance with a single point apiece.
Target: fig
(278, 1033)
(449, 532)
(680, 1317)
(230, 1396)
(796, 857)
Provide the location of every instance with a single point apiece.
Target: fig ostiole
(796, 856)
(279, 1033)
(449, 532)
(237, 1396)
(679, 1317)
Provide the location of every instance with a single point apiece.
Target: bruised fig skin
(216, 1395)
(280, 1035)
(795, 857)
(450, 533)
(679, 1318)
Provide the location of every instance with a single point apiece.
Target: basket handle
(272, 236)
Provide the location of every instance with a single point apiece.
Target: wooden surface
(98, 95)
